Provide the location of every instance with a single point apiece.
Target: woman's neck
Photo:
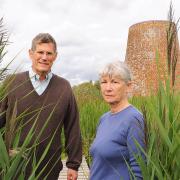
(117, 107)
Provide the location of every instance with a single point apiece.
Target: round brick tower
(147, 43)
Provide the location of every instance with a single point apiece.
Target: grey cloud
(77, 70)
(71, 43)
(89, 33)
(113, 4)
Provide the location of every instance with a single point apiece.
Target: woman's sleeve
(136, 135)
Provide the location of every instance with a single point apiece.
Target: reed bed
(162, 118)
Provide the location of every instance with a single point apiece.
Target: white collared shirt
(39, 86)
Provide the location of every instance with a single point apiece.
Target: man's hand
(72, 174)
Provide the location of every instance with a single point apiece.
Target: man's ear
(30, 53)
(56, 55)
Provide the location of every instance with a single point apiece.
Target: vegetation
(161, 113)
(14, 158)
(3, 44)
(162, 116)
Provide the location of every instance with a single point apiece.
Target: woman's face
(113, 89)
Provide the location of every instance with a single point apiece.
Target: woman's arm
(136, 136)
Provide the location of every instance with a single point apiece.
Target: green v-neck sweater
(55, 108)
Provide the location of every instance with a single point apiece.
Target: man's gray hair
(43, 38)
(117, 69)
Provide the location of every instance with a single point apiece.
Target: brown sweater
(56, 107)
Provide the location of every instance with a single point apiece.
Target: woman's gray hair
(117, 69)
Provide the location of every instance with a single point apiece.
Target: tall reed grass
(161, 111)
(15, 157)
(162, 117)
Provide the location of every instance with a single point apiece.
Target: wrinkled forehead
(111, 74)
(111, 77)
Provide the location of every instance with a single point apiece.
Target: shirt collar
(36, 77)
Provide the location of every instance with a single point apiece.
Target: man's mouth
(43, 63)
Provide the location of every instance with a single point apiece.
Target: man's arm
(3, 107)
(4, 98)
(73, 141)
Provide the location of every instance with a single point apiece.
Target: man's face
(43, 57)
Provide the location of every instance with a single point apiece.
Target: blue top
(114, 145)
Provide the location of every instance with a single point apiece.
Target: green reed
(162, 119)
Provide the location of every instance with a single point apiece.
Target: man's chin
(43, 71)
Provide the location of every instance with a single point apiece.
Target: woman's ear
(129, 89)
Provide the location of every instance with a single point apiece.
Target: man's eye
(49, 53)
(40, 52)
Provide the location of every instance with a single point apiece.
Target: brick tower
(146, 41)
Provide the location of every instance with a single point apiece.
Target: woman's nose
(108, 86)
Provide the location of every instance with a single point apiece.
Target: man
(46, 101)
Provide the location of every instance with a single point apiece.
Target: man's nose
(44, 55)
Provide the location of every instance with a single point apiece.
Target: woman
(114, 150)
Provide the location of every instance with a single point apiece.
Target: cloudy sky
(89, 33)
